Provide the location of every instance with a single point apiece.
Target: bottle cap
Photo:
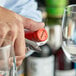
(38, 36)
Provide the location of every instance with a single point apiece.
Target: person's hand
(12, 28)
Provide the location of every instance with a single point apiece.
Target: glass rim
(8, 45)
(69, 6)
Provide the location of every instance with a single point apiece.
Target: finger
(3, 32)
(12, 34)
(18, 63)
(32, 25)
(10, 61)
(20, 42)
(19, 60)
(20, 47)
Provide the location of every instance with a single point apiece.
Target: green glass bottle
(56, 3)
(55, 8)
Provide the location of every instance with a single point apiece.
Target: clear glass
(69, 32)
(7, 58)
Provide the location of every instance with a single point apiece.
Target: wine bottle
(63, 66)
(41, 64)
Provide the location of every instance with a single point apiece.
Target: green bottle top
(55, 8)
(56, 3)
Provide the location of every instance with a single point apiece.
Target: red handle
(40, 35)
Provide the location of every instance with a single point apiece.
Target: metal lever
(31, 47)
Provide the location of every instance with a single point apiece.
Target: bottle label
(40, 66)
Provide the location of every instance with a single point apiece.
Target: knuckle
(13, 30)
(12, 34)
(18, 17)
(28, 21)
(20, 29)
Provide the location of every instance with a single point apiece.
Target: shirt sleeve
(26, 8)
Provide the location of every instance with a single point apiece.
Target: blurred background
(52, 61)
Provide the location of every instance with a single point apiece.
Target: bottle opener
(34, 40)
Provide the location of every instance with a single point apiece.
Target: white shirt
(27, 8)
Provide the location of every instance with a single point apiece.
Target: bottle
(55, 33)
(63, 66)
(41, 64)
(55, 8)
(46, 51)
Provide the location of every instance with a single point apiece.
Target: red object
(40, 35)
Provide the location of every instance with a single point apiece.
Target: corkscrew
(34, 40)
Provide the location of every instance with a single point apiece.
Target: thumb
(32, 25)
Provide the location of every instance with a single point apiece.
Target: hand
(12, 28)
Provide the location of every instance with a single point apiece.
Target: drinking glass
(69, 32)
(7, 58)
